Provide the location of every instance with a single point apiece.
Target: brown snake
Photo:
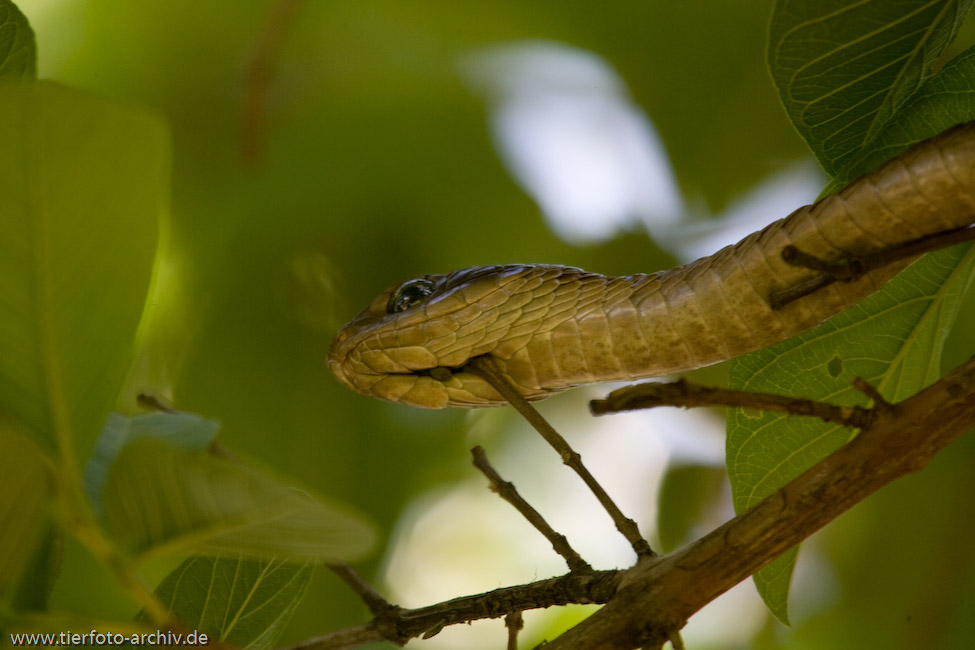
(549, 328)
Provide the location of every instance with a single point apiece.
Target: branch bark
(400, 625)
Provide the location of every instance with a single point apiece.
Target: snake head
(412, 343)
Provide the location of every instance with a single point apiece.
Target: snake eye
(409, 294)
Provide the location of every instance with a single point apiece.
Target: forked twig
(399, 625)
(684, 394)
(849, 269)
(484, 367)
(506, 490)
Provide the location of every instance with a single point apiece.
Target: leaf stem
(79, 521)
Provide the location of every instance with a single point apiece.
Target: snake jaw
(433, 387)
(416, 355)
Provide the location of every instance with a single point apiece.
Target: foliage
(856, 92)
(85, 185)
(844, 70)
(18, 56)
(244, 602)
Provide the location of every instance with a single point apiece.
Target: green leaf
(186, 431)
(28, 488)
(159, 499)
(241, 602)
(843, 68)
(18, 54)
(765, 452)
(83, 183)
(893, 339)
(772, 583)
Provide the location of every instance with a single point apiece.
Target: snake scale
(549, 327)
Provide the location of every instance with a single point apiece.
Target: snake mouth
(433, 387)
(440, 373)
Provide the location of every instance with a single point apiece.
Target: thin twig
(849, 269)
(684, 394)
(514, 622)
(507, 491)
(152, 403)
(485, 368)
(400, 625)
(376, 603)
(258, 75)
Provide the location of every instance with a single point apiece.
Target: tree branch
(658, 595)
(684, 394)
(400, 625)
(648, 604)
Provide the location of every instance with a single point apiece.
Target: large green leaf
(893, 340)
(160, 499)
(241, 602)
(844, 67)
(83, 181)
(893, 345)
(28, 487)
(18, 54)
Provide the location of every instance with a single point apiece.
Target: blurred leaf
(186, 431)
(28, 487)
(18, 54)
(892, 339)
(83, 182)
(159, 499)
(843, 68)
(686, 493)
(41, 571)
(245, 603)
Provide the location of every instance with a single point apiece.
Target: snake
(548, 327)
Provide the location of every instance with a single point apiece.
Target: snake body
(549, 328)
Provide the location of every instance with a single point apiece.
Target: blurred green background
(353, 156)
